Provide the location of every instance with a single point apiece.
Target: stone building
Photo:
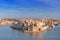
(30, 25)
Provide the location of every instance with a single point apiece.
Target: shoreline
(33, 25)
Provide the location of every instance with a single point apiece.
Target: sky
(30, 8)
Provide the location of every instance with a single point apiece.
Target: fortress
(29, 24)
(33, 25)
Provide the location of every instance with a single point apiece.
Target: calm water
(6, 33)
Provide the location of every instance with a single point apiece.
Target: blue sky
(29, 8)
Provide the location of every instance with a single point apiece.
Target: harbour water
(7, 33)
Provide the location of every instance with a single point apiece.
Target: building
(30, 25)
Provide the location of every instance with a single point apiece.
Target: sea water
(7, 33)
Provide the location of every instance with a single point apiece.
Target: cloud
(31, 3)
(52, 3)
(46, 1)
